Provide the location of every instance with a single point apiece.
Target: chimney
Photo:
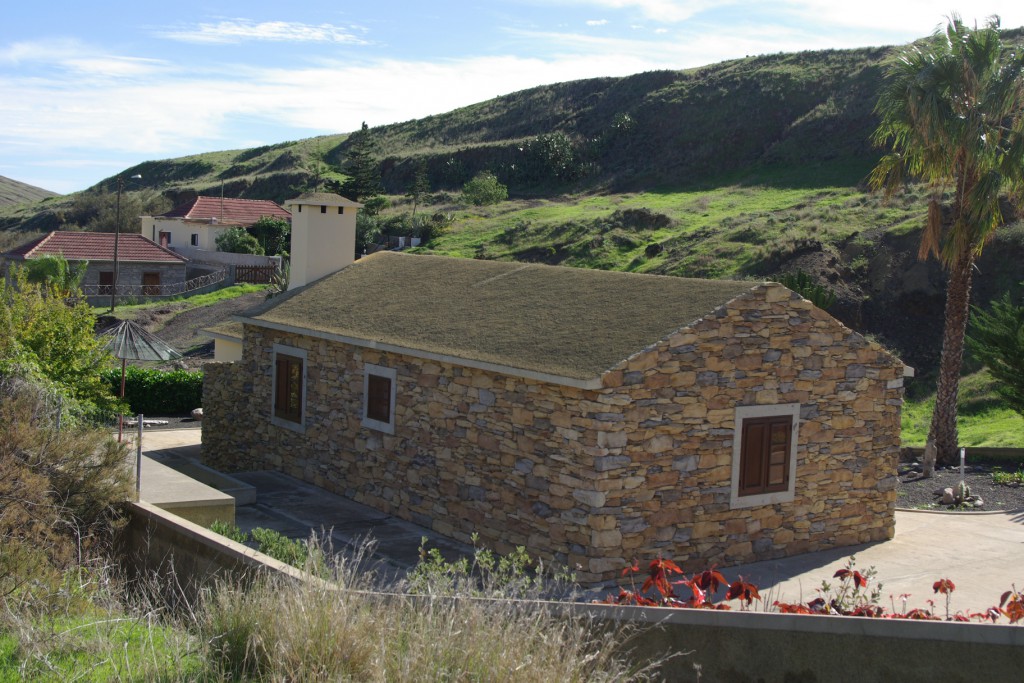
(323, 236)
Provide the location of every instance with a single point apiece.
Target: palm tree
(952, 114)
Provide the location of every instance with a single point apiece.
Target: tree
(420, 186)
(54, 270)
(273, 235)
(238, 241)
(484, 189)
(44, 338)
(952, 114)
(997, 340)
(361, 166)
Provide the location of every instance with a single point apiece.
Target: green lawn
(983, 419)
(128, 312)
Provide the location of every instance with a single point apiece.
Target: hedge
(157, 392)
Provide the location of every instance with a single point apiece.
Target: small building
(198, 223)
(144, 267)
(590, 416)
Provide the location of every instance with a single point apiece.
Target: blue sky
(86, 92)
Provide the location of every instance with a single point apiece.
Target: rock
(197, 414)
(947, 497)
(978, 502)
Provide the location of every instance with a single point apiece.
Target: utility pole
(117, 237)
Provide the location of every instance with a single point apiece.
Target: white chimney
(323, 236)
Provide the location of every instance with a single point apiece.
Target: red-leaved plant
(853, 596)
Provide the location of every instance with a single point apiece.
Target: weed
(1007, 478)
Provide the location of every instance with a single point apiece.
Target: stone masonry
(593, 478)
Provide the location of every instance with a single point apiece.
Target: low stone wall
(760, 647)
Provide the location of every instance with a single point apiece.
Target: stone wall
(640, 467)
(129, 273)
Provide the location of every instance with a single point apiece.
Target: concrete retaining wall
(224, 258)
(155, 542)
(731, 647)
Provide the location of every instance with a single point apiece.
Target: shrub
(157, 392)
(59, 488)
(238, 241)
(996, 339)
(484, 189)
(804, 285)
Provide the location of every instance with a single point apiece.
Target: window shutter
(764, 455)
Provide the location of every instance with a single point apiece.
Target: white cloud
(668, 11)
(597, 22)
(238, 30)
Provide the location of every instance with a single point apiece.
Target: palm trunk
(943, 432)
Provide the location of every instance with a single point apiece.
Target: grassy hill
(14, 192)
(746, 168)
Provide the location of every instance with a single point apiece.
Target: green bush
(484, 189)
(158, 392)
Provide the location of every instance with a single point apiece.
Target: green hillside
(14, 192)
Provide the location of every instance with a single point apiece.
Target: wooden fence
(255, 275)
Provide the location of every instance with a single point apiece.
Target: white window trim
(300, 426)
(390, 373)
(749, 412)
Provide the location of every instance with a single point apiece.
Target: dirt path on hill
(182, 329)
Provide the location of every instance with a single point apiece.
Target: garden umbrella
(129, 341)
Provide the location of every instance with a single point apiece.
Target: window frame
(391, 374)
(194, 239)
(760, 413)
(286, 420)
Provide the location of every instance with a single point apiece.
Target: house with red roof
(144, 268)
(198, 223)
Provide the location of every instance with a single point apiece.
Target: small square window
(764, 455)
(379, 398)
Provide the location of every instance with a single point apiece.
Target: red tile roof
(96, 246)
(243, 212)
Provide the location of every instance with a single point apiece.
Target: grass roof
(569, 322)
(228, 329)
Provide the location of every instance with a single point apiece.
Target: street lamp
(117, 236)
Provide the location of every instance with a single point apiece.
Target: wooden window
(165, 238)
(379, 398)
(151, 284)
(195, 239)
(106, 282)
(764, 459)
(288, 388)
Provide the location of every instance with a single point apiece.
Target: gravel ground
(917, 493)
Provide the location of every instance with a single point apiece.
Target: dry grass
(338, 631)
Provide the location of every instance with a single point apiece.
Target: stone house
(589, 416)
(198, 222)
(143, 267)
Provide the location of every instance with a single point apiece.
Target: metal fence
(175, 289)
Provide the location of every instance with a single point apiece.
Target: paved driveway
(982, 553)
